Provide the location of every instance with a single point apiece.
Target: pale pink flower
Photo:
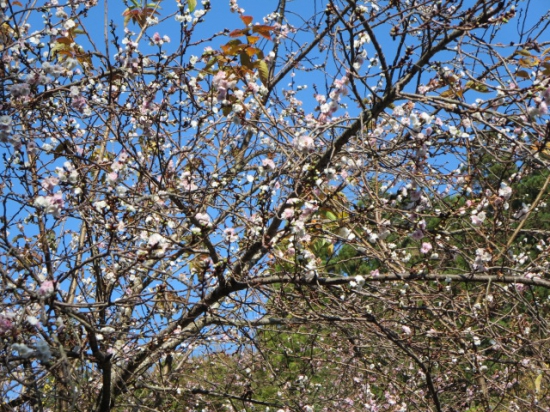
(47, 289)
(304, 143)
(426, 247)
(478, 219)
(5, 325)
(49, 183)
(505, 191)
(222, 83)
(204, 219)
(229, 235)
(268, 163)
(112, 177)
(417, 234)
(157, 39)
(288, 213)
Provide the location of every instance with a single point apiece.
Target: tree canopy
(211, 206)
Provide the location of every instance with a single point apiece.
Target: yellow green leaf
(538, 382)
(263, 71)
(192, 4)
(477, 86)
(524, 52)
(528, 62)
(448, 93)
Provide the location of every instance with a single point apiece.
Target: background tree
(344, 209)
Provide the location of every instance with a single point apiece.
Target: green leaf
(448, 93)
(263, 71)
(523, 74)
(61, 150)
(330, 215)
(538, 382)
(245, 61)
(192, 4)
(477, 86)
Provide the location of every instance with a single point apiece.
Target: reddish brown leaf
(247, 20)
(238, 33)
(263, 30)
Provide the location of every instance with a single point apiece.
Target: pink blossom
(79, 103)
(543, 108)
(417, 234)
(253, 87)
(52, 204)
(288, 213)
(229, 235)
(5, 325)
(505, 191)
(478, 219)
(19, 89)
(49, 183)
(222, 83)
(112, 177)
(304, 143)
(186, 182)
(47, 289)
(309, 209)
(426, 247)
(157, 39)
(268, 163)
(204, 219)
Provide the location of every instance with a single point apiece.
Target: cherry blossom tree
(210, 206)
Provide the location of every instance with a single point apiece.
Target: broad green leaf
(245, 60)
(226, 110)
(523, 74)
(192, 4)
